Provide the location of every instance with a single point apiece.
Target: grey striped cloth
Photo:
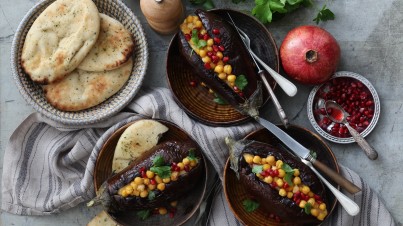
(48, 167)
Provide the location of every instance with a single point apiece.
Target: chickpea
(146, 181)
(281, 173)
(257, 159)
(282, 192)
(314, 212)
(290, 195)
(124, 193)
(219, 55)
(152, 186)
(150, 174)
(322, 206)
(220, 63)
(296, 180)
(166, 180)
(280, 182)
(321, 216)
(158, 179)
(174, 176)
(129, 189)
(198, 23)
(210, 42)
(174, 203)
(296, 172)
(279, 164)
(248, 158)
(181, 165)
(203, 31)
(266, 166)
(202, 53)
(141, 187)
(302, 203)
(162, 211)
(305, 189)
(271, 160)
(231, 78)
(268, 179)
(206, 59)
(138, 180)
(161, 186)
(222, 75)
(189, 19)
(218, 69)
(136, 193)
(193, 163)
(311, 201)
(144, 194)
(228, 69)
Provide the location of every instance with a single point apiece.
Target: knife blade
(304, 153)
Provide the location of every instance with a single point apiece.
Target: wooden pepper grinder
(164, 16)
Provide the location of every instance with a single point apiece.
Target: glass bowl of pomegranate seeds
(358, 98)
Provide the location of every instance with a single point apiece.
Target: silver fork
(289, 88)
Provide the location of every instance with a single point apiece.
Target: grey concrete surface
(370, 35)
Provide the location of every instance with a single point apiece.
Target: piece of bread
(135, 140)
(112, 49)
(59, 39)
(102, 219)
(83, 89)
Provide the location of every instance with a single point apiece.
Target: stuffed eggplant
(220, 60)
(165, 173)
(283, 185)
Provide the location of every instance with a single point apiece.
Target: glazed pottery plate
(197, 101)
(186, 206)
(33, 93)
(316, 102)
(236, 193)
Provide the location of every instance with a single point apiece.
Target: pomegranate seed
(273, 184)
(142, 169)
(206, 37)
(298, 201)
(192, 84)
(215, 59)
(216, 31)
(221, 48)
(286, 185)
(153, 182)
(187, 168)
(207, 66)
(217, 40)
(316, 197)
(210, 54)
(215, 48)
(188, 37)
(241, 94)
(200, 36)
(225, 59)
(171, 215)
(143, 174)
(275, 172)
(236, 89)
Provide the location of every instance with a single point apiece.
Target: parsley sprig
(324, 14)
(159, 167)
(250, 205)
(199, 43)
(289, 172)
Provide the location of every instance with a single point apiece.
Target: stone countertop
(370, 36)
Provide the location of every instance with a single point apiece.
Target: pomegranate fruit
(310, 55)
(353, 96)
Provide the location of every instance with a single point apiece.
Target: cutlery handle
(289, 88)
(343, 182)
(368, 149)
(279, 109)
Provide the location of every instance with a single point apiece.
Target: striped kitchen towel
(48, 167)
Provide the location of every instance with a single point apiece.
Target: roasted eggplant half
(283, 185)
(164, 174)
(221, 61)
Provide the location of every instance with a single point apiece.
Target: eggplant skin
(171, 151)
(240, 59)
(270, 200)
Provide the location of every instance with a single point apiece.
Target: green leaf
(324, 14)
(161, 171)
(143, 214)
(277, 6)
(257, 169)
(288, 178)
(294, 2)
(219, 100)
(289, 172)
(241, 82)
(250, 205)
(192, 154)
(313, 154)
(260, 2)
(196, 41)
(151, 195)
(158, 161)
(287, 168)
(263, 11)
(208, 4)
(308, 208)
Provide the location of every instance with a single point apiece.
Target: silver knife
(304, 153)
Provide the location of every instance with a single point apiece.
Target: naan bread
(83, 89)
(113, 47)
(102, 219)
(139, 137)
(59, 39)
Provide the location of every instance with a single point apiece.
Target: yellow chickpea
(321, 216)
(161, 186)
(136, 193)
(162, 211)
(144, 194)
(222, 76)
(322, 206)
(296, 180)
(310, 194)
(220, 63)
(174, 176)
(152, 187)
(305, 189)
(296, 172)
(189, 19)
(260, 176)
(202, 53)
(248, 158)
(174, 203)
(158, 179)
(129, 189)
(266, 166)
(257, 159)
(166, 180)
(186, 161)
(311, 201)
(281, 173)
(290, 195)
(271, 160)
(231, 78)
(210, 42)
(146, 181)
(228, 69)
(206, 59)
(302, 203)
(134, 185)
(209, 48)
(124, 193)
(219, 55)
(150, 174)
(282, 192)
(279, 164)
(181, 165)
(314, 212)
(138, 180)
(219, 69)
(198, 23)
(280, 182)
(193, 163)
(268, 179)
(141, 187)
(203, 31)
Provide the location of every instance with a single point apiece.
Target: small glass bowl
(316, 102)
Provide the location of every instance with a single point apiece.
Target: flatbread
(113, 47)
(83, 89)
(102, 219)
(139, 137)
(59, 39)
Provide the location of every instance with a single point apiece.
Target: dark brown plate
(235, 193)
(196, 101)
(186, 207)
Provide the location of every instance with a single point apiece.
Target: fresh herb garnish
(199, 43)
(158, 161)
(192, 154)
(324, 14)
(308, 208)
(257, 168)
(241, 82)
(250, 205)
(161, 171)
(206, 4)
(289, 172)
(313, 154)
(151, 195)
(143, 214)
